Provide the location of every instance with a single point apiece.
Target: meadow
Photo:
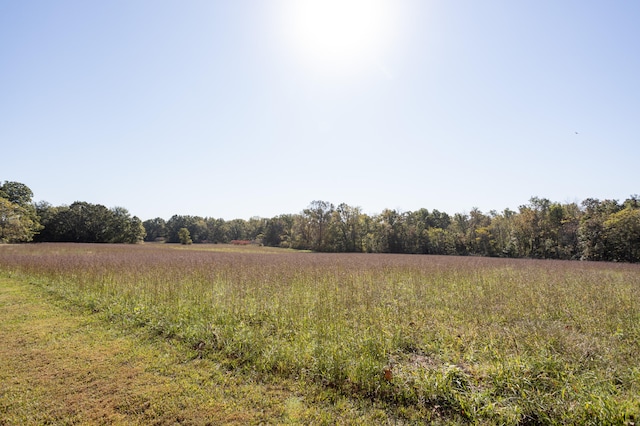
(418, 338)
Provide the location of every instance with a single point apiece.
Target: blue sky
(246, 108)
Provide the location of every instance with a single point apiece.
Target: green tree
(501, 229)
(124, 228)
(632, 202)
(16, 223)
(121, 228)
(432, 232)
(479, 239)
(18, 219)
(621, 233)
(196, 225)
(370, 227)
(135, 231)
(216, 230)
(184, 236)
(302, 233)
(565, 220)
(346, 220)
(438, 219)
(91, 223)
(255, 228)
(392, 231)
(155, 229)
(318, 216)
(533, 231)
(17, 193)
(459, 227)
(279, 231)
(237, 230)
(591, 232)
(440, 241)
(416, 225)
(84, 222)
(47, 214)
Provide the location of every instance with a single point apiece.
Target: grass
(62, 368)
(62, 365)
(368, 338)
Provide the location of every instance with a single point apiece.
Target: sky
(241, 108)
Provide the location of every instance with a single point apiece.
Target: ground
(61, 365)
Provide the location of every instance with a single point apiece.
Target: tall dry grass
(462, 338)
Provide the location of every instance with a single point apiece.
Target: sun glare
(338, 34)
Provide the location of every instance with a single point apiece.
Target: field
(354, 338)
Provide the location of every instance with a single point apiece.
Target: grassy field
(356, 337)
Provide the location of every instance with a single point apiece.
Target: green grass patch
(64, 365)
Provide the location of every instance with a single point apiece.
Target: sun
(338, 34)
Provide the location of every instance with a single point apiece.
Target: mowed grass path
(60, 365)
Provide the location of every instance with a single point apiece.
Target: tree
(301, 233)
(392, 236)
(195, 224)
(84, 222)
(121, 227)
(255, 228)
(632, 202)
(47, 215)
(16, 223)
(595, 230)
(348, 233)
(18, 219)
(591, 235)
(90, 223)
(216, 230)
(318, 216)
(155, 229)
(565, 220)
(440, 241)
(17, 193)
(533, 230)
(416, 225)
(621, 233)
(237, 229)
(438, 219)
(478, 238)
(460, 230)
(501, 229)
(135, 233)
(184, 236)
(279, 231)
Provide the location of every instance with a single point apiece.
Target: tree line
(593, 230)
(605, 230)
(21, 220)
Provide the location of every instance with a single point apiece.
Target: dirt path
(62, 366)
